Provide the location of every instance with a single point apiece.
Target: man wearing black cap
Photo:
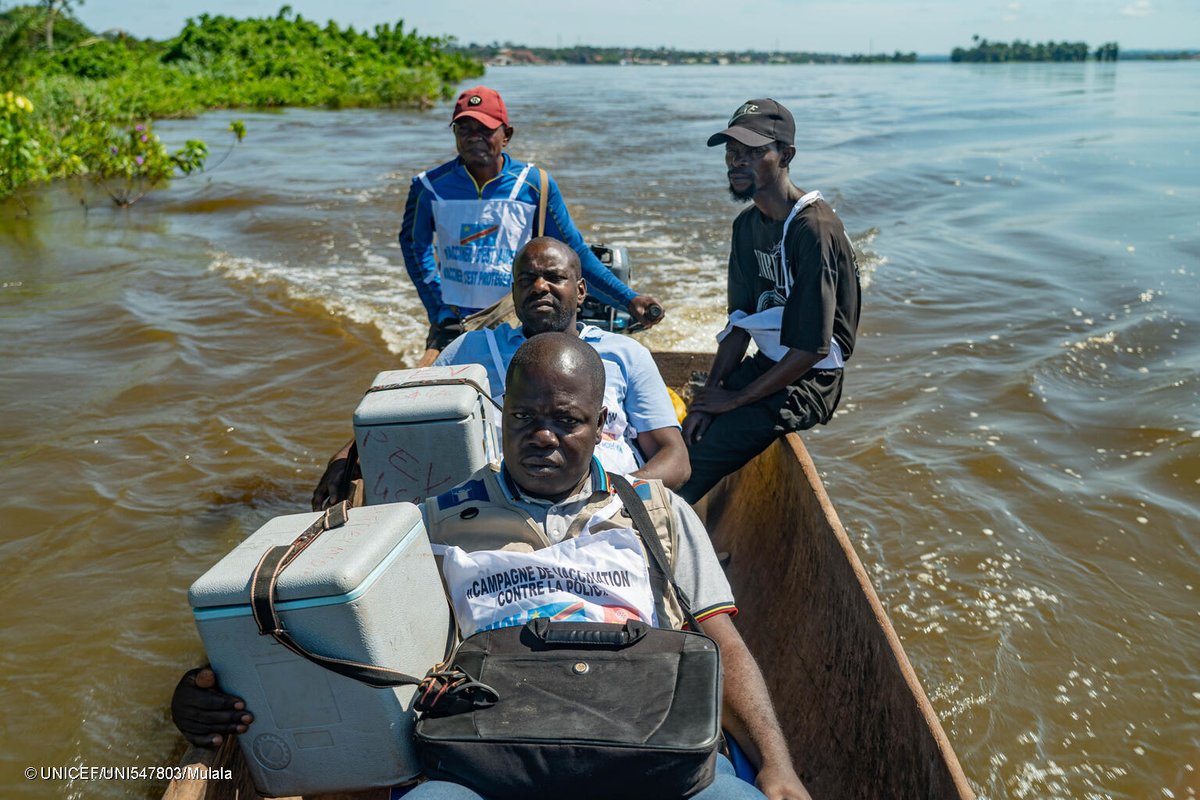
(793, 289)
(465, 220)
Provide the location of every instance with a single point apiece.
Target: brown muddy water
(1017, 457)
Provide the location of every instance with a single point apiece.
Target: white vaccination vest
(594, 577)
(476, 243)
(765, 327)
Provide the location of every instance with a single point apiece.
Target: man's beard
(744, 194)
(558, 322)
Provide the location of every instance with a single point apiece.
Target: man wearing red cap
(793, 289)
(466, 219)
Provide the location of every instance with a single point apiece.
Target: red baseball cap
(483, 104)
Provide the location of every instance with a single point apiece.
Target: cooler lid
(430, 394)
(342, 561)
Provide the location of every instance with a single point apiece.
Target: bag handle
(649, 536)
(262, 602)
(588, 634)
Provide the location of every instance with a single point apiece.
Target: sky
(928, 27)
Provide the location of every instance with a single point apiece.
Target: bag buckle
(443, 692)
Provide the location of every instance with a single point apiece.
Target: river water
(1017, 456)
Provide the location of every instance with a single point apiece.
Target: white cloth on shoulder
(764, 327)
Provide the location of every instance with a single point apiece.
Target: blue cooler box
(368, 591)
(421, 432)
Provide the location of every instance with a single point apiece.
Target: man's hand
(203, 713)
(715, 400)
(443, 333)
(694, 425)
(646, 310)
(326, 493)
(780, 782)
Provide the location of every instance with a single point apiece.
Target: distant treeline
(999, 52)
(509, 53)
(73, 102)
(1163, 55)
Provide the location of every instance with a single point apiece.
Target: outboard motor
(602, 315)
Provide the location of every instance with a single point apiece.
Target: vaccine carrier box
(367, 591)
(421, 432)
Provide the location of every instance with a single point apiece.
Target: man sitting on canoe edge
(793, 288)
(550, 486)
(548, 288)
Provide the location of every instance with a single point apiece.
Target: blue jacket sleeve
(601, 282)
(416, 245)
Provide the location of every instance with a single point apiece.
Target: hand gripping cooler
(423, 431)
(367, 591)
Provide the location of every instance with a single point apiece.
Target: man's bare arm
(666, 457)
(729, 355)
(749, 715)
(716, 400)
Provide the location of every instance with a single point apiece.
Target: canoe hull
(849, 702)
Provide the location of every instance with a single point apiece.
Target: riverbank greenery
(1002, 52)
(81, 103)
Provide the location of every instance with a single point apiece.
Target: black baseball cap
(758, 122)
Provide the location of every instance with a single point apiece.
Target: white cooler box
(421, 432)
(367, 591)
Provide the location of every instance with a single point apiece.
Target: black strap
(347, 480)
(262, 603)
(649, 535)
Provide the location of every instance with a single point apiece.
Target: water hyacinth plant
(135, 161)
(91, 92)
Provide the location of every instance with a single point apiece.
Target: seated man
(793, 289)
(547, 290)
(550, 486)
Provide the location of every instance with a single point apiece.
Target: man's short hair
(549, 241)
(565, 350)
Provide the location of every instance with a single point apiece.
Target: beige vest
(477, 515)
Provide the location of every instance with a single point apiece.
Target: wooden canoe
(859, 723)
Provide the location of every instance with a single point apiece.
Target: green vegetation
(508, 53)
(1163, 55)
(80, 104)
(1000, 52)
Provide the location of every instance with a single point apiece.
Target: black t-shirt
(821, 300)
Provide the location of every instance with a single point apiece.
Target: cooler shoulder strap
(262, 602)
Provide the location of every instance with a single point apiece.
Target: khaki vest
(477, 515)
